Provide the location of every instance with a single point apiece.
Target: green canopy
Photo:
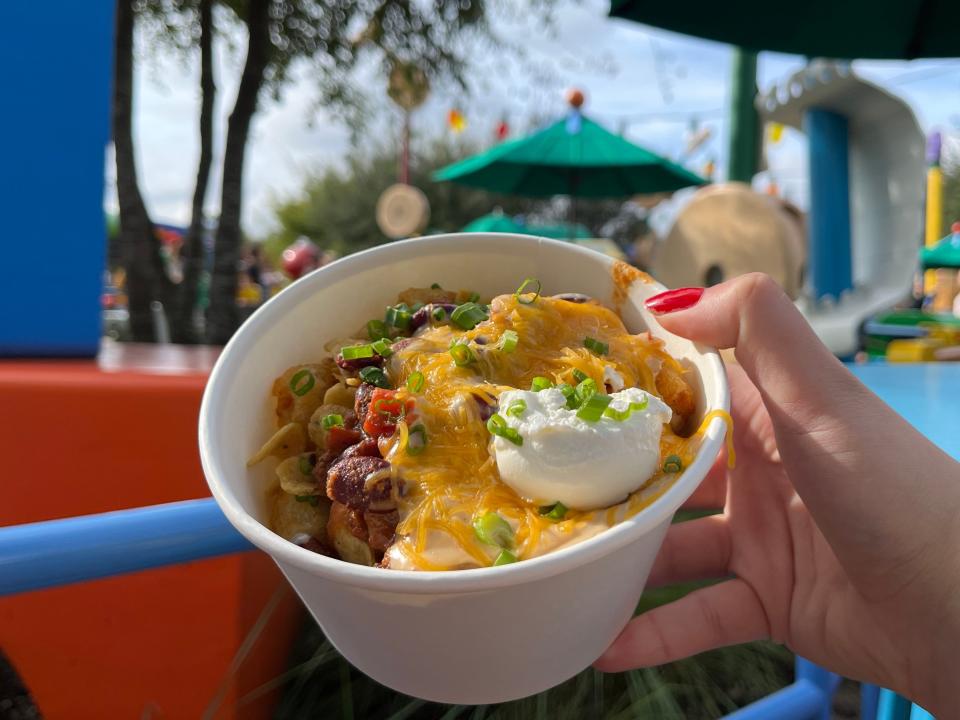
(574, 156)
(945, 254)
(498, 222)
(891, 29)
(495, 222)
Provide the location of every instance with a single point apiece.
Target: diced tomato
(340, 438)
(384, 412)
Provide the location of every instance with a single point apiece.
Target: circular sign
(402, 210)
(408, 85)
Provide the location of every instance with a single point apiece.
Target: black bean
(574, 297)
(358, 363)
(422, 316)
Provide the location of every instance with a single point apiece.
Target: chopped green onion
(307, 463)
(593, 407)
(570, 394)
(519, 293)
(468, 315)
(673, 464)
(505, 558)
(415, 382)
(618, 415)
(439, 314)
(462, 354)
(508, 341)
(579, 375)
(498, 426)
(585, 390)
(398, 316)
(331, 421)
(517, 408)
(436, 286)
(557, 511)
(375, 376)
(474, 297)
(312, 499)
(493, 530)
(302, 382)
(382, 348)
(621, 415)
(600, 348)
(417, 439)
(540, 383)
(377, 329)
(353, 352)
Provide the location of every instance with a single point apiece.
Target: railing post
(825, 680)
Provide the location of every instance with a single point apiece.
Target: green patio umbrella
(888, 29)
(498, 222)
(574, 156)
(495, 222)
(945, 254)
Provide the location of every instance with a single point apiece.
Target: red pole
(405, 150)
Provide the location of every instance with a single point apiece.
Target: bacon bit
(340, 438)
(365, 448)
(361, 483)
(381, 527)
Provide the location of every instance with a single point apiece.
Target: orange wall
(78, 439)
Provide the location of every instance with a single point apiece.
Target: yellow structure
(934, 221)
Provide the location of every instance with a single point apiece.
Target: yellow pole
(934, 221)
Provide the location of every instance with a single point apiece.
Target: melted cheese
(455, 477)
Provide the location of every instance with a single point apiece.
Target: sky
(647, 83)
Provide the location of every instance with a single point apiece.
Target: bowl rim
(422, 581)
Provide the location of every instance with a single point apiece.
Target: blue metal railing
(60, 552)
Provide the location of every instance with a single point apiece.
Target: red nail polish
(673, 300)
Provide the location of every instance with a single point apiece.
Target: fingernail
(673, 300)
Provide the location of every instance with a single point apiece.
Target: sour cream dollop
(584, 465)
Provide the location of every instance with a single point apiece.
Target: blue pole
(869, 701)
(830, 261)
(801, 701)
(891, 706)
(809, 698)
(58, 552)
(825, 680)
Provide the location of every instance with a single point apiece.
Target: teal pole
(830, 252)
(744, 148)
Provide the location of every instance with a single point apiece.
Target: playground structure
(866, 165)
(727, 230)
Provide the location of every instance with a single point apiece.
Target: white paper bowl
(470, 636)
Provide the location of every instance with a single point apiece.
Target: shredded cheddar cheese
(454, 478)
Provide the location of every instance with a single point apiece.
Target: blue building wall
(54, 129)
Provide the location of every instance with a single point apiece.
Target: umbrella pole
(744, 122)
(405, 150)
